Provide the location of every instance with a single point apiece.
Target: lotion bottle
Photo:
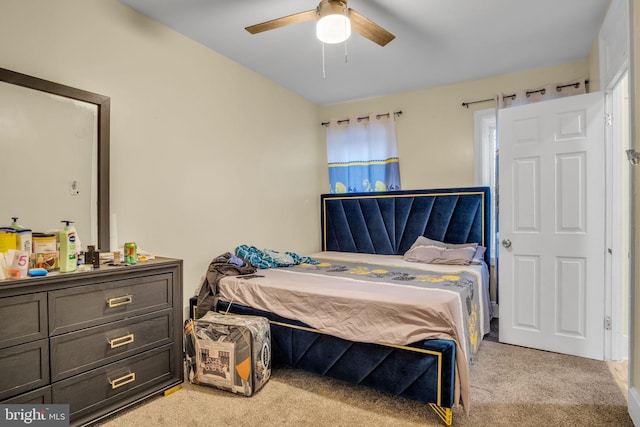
(15, 224)
(68, 255)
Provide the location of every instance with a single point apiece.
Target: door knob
(506, 243)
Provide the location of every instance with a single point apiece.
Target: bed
(364, 237)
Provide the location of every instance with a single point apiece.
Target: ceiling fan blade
(281, 22)
(369, 29)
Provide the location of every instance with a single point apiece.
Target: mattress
(374, 301)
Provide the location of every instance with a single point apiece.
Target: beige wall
(435, 133)
(205, 154)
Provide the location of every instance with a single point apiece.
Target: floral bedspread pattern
(463, 282)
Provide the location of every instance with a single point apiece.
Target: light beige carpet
(511, 386)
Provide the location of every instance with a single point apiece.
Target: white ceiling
(437, 41)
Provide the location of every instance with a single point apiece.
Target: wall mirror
(54, 157)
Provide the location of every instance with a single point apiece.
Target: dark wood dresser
(99, 340)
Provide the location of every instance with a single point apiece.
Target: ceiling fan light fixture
(334, 28)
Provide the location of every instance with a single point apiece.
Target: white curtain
(362, 154)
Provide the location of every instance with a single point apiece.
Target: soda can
(130, 253)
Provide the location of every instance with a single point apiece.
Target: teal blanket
(269, 258)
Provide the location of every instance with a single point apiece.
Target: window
(363, 154)
(486, 162)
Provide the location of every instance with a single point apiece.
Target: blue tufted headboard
(388, 223)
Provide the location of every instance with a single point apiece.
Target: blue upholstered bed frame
(385, 223)
(388, 223)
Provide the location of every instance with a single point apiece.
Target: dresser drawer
(23, 318)
(23, 368)
(40, 396)
(79, 351)
(104, 387)
(81, 307)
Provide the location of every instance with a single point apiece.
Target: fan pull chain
(346, 15)
(346, 57)
(324, 75)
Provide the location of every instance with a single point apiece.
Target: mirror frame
(103, 103)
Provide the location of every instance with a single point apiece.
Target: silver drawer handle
(119, 342)
(119, 382)
(118, 301)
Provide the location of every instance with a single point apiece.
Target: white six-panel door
(552, 224)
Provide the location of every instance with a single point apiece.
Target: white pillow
(478, 258)
(425, 241)
(432, 254)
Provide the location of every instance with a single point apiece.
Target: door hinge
(608, 119)
(607, 323)
(633, 156)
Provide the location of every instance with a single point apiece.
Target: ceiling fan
(335, 22)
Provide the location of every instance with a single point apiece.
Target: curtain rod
(397, 113)
(528, 93)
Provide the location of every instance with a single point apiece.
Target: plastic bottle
(68, 255)
(23, 236)
(24, 240)
(15, 224)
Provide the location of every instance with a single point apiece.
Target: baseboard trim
(634, 405)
